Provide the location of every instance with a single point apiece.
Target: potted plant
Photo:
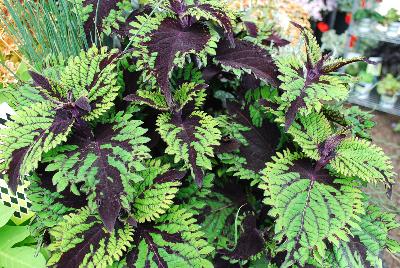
(133, 161)
(365, 85)
(367, 19)
(388, 88)
(392, 20)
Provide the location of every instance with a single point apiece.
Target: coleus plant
(197, 143)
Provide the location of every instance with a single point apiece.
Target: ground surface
(384, 136)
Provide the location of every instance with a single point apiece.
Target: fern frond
(218, 211)
(193, 199)
(238, 167)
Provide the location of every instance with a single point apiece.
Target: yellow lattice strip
(18, 201)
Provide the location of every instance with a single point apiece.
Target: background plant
(197, 142)
(389, 85)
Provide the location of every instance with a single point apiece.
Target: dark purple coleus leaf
(275, 40)
(293, 109)
(100, 10)
(187, 135)
(262, 142)
(40, 81)
(210, 72)
(227, 145)
(251, 28)
(223, 20)
(308, 169)
(90, 236)
(47, 88)
(250, 243)
(246, 55)
(178, 6)
(169, 39)
(102, 157)
(169, 176)
(327, 149)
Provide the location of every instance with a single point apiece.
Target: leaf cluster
(191, 142)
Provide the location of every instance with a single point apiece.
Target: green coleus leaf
(81, 240)
(309, 79)
(311, 206)
(154, 195)
(191, 139)
(173, 240)
(367, 241)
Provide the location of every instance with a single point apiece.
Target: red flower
(322, 26)
(353, 41)
(347, 19)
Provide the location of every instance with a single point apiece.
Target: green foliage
(363, 249)
(85, 77)
(44, 203)
(329, 86)
(366, 13)
(15, 251)
(58, 32)
(360, 121)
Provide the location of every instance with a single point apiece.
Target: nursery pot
(375, 69)
(363, 90)
(364, 26)
(351, 85)
(387, 101)
(393, 29)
